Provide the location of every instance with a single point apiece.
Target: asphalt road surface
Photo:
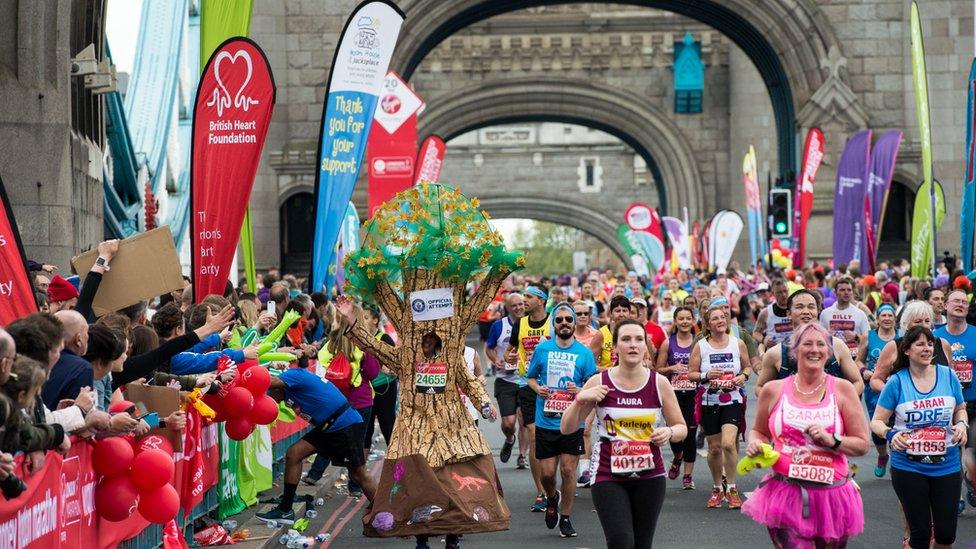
(685, 521)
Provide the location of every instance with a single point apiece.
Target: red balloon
(238, 428)
(265, 410)
(238, 402)
(160, 505)
(257, 380)
(116, 498)
(246, 365)
(154, 441)
(152, 469)
(112, 457)
(776, 244)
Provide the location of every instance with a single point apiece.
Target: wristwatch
(103, 263)
(837, 442)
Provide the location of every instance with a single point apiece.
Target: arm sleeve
(70, 418)
(84, 379)
(206, 344)
(369, 366)
(187, 383)
(143, 365)
(197, 363)
(891, 394)
(87, 295)
(35, 437)
(493, 334)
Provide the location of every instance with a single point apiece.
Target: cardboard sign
(146, 266)
(162, 400)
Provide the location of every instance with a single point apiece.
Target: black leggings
(686, 448)
(384, 409)
(928, 502)
(628, 511)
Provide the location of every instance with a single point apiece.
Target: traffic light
(780, 213)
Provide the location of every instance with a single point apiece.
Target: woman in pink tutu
(814, 421)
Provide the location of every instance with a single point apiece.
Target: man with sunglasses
(558, 369)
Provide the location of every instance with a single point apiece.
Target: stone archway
(623, 114)
(562, 212)
(785, 39)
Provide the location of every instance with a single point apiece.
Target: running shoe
(566, 529)
(961, 507)
(715, 501)
(687, 483)
(585, 480)
(506, 453)
(733, 498)
(674, 469)
(311, 481)
(277, 515)
(522, 462)
(539, 505)
(552, 511)
(700, 439)
(882, 467)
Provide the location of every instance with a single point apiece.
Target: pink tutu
(835, 513)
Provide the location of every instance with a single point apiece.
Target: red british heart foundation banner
(16, 294)
(231, 115)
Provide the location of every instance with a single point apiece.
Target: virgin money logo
(390, 104)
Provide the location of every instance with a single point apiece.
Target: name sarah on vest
(928, 403)
(808, 416)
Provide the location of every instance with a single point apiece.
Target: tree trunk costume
(438, 476)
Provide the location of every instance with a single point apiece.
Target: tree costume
(438, 476)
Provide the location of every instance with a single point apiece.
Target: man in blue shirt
(962, 341)
(559, 368)
(337, 432)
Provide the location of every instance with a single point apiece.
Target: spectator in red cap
(61, 295)
(961, 282)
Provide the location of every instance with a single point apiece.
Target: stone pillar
(53, 177)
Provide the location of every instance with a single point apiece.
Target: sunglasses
(563, 320)
(582, 313)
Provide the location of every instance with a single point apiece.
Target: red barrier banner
(233, 107)
(392, 146)
(16, 295)
(430, 159)
(58, 507)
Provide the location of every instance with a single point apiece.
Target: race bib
(812, 465)
(964, 371)
(927, 444)
(680, 381)
(556, 403)
(529, 343)
(724, 383)
(630, 457)
(430, 378)
(510, 368)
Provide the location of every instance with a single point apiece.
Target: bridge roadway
(684, 522)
